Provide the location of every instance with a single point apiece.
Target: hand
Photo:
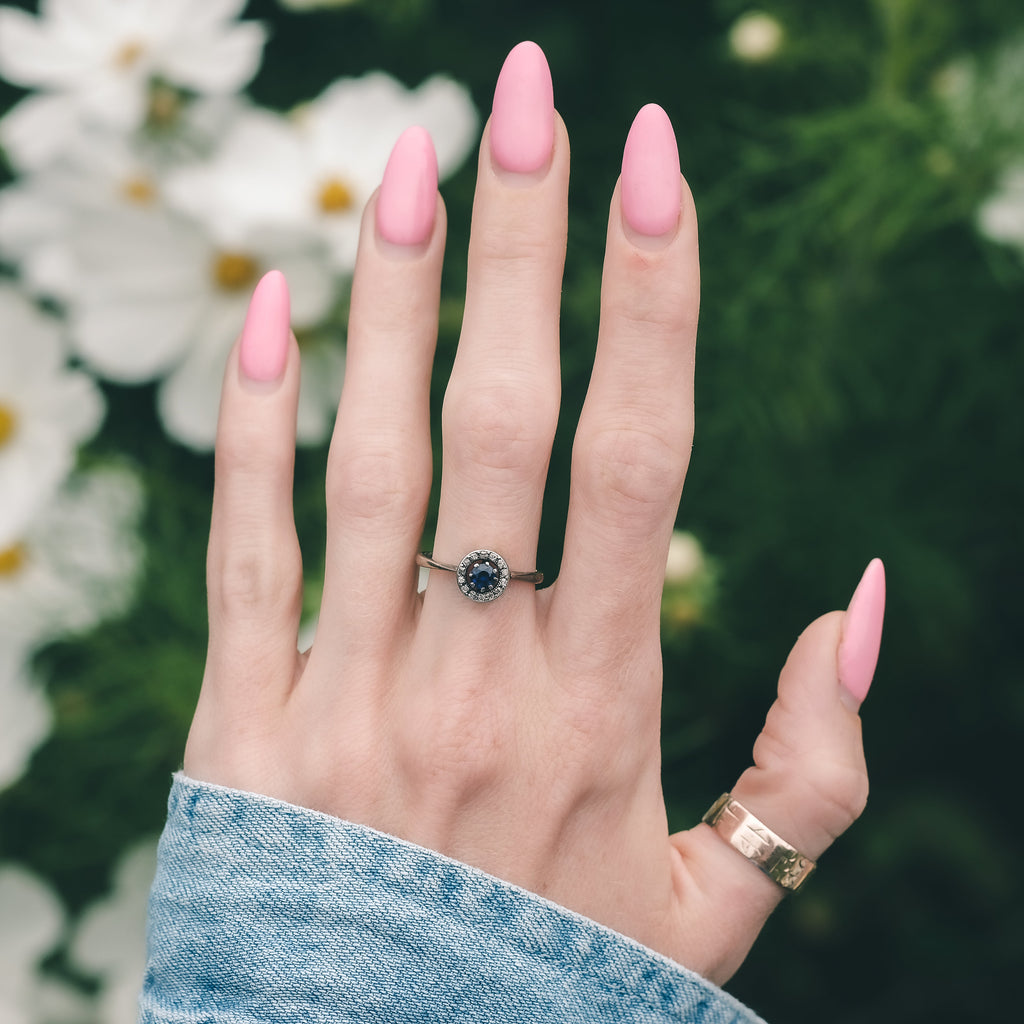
(521, 735)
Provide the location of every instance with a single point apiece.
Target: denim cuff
(264, 912)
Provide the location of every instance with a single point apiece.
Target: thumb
(809, 781)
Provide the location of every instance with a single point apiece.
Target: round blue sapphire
(482, 576)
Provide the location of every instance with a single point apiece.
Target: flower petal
(56, 411)
(25, 721)
(38, 129)
(135, 339)
(258, 175)
(31, 54)
(323, 373)
(311, 283)
(221, 63)
(188, 401)
(445, 108)
(31, 916)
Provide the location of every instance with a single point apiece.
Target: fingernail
(407, 200)
(523, 115)
(651, 186)
(263, 350)
(862, 635)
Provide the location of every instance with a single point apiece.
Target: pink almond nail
(862, 633)
(407, 200)
(651, 186)
(263, 350)
(523, 114)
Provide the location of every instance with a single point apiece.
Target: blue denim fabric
(264, 912)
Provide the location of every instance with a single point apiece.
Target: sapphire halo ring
(482, 575)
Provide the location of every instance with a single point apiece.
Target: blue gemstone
(482, 577)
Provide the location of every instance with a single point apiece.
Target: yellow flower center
(128, 55)
(335, 196)
(165, 105)
(11, 559)
(233, 271)
(138, 189)
(8, 422)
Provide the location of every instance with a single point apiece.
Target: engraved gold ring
(783, 864)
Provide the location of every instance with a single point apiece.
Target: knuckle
(378, 484)
(458, 745)
(841, 790)
(590, 745)
(500, 425)
(631, 470)
(517, 242)
(255, 582)
(241, 451)
(656, 304)
(832, 788)
(609, 730)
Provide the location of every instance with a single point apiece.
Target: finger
(633, 441)
(501, 405)
(254, 568)
(809, 781)
(379, 467)
(809, 776)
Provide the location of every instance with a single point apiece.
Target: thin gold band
(783, 864)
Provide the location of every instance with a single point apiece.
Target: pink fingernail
(263, 351)
(408, 194)
(523, 115)
(651, 186)
(862, 633)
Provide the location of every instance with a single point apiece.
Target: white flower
(54, 1001)
(316, 170)
(690, 585)
(982, 99)
(76, 564)
(161, 297)
(97, 63)
(99, 174)
(31, 923)
(1001, 217)
(685, 557)
(110, 938)
(46, 412)
(25, 716)
(755, 37)
(41, 215)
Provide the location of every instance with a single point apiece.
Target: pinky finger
(254, 567)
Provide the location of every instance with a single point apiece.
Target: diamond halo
(483, 575)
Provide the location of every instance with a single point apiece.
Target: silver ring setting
(482, 575)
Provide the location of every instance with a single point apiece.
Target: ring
(482, 575)
(783, 864)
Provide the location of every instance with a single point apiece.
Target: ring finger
(501, 405)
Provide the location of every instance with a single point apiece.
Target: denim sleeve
(262, 912)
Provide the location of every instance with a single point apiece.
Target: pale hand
(520, 736)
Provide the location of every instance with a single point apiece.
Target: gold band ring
(783, 864)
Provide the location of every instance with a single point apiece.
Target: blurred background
(858, 168)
